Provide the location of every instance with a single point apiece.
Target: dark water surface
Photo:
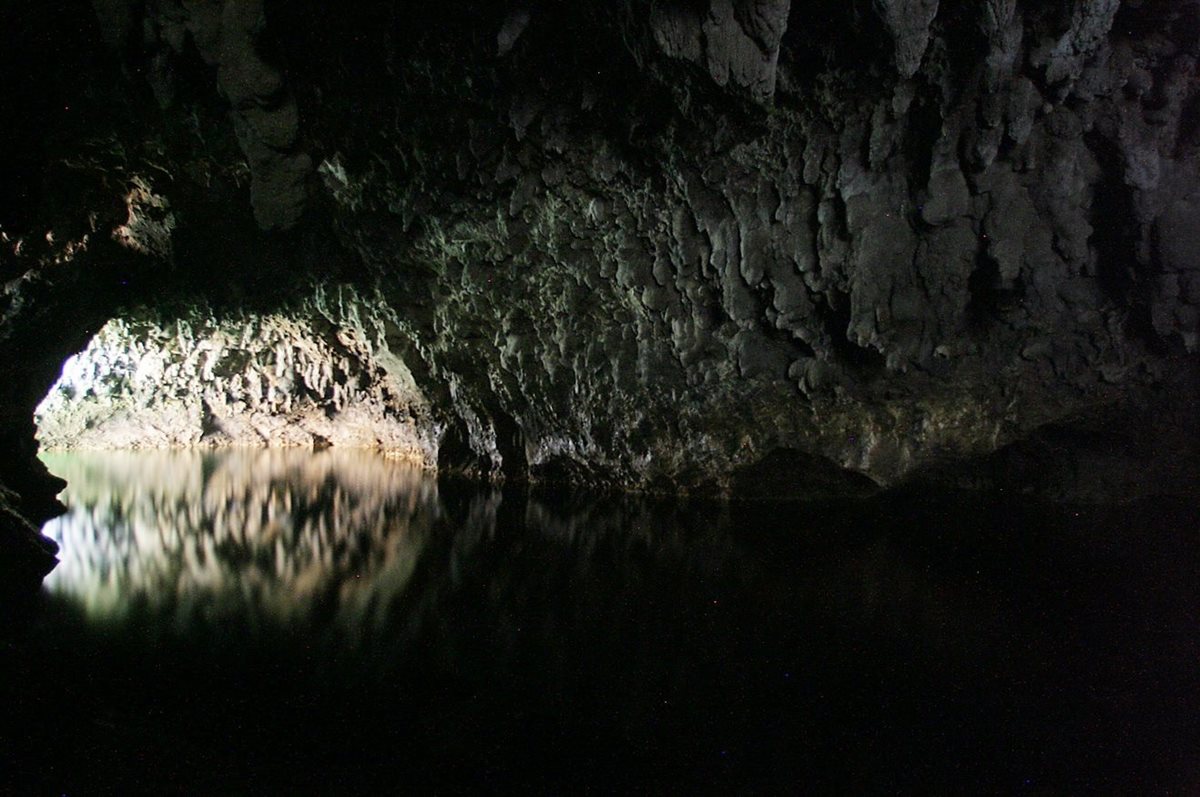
(272, 622)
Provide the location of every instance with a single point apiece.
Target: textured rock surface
(319, 374)
(737, 43)
(923, 257)
(659, 243)
(226, 35)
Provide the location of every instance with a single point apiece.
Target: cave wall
(315, 374)
(643, 243)
(663, 241)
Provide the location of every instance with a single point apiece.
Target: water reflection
(333, 538)
(349, 615)
(273, 534)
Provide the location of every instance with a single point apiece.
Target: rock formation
(309, 377)
(669, 244)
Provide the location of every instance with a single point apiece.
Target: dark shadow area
(864, 361)
(1142, 447)
(266, 623)
(828, 34)
(40, 97)
(786, 473)
(991, 301)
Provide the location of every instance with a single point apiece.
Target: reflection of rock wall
(374, 551)
(245, 532)
(311, 377)
(338, 593)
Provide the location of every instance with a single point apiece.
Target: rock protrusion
(735, 41)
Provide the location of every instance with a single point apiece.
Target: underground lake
(286, 621)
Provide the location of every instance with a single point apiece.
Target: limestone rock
(736, 41)
(296, 379)
(908, 21)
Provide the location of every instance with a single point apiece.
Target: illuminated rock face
(311, 376)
